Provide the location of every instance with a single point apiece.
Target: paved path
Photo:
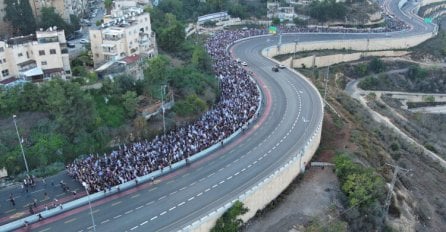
(23, 199)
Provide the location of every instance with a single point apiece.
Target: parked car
(275, 69)
(281, 66)
(244, 63)
(84, 41)
(71, 45)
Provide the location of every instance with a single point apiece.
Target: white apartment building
(126, 32)
(35, 57)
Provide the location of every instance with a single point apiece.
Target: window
(97, 55)
(44, 63)
(52, 51)
(27, 55)
(1, 62)
(5, 72)
(2, 49)
(41, 52)
(20, 54)
(4, 60)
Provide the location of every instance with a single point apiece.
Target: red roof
(8, 80)
(130, 59)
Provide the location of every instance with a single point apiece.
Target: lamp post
(89, 204)
(20, 142)
(163, 88)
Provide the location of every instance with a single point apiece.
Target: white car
(281, 66)
(244, 63)
(84, 41)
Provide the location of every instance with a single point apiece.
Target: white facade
(33, 57)
(127, 32)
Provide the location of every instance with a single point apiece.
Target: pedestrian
(35, 203)
(11, 198)
(44, 181)
(45, 196)
(40, 217)
(31, 211)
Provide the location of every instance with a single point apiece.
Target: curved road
(291, 113)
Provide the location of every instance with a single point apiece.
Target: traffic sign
(272, 30)
(428, 20)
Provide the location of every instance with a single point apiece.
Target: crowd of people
(238, 103)
(239, 100)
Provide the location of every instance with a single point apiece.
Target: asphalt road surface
(290, 114)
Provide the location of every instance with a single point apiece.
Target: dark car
(275, 69)
(71, 45)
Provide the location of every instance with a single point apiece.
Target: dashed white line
(193, 183)
(229, 178)
(129, 211)
(105, 221)
(172, 208)
(162, 198)
(202, 179)
(221, 182)
(118, 216)
(139, 207)
(183, 188)
(134, 227)
(173, 192)
(190, 199)
(182, 203)
(214, 186)
(211, 174)
(164, 212)
(149, 203)
(207, 190)
(236, 173)
(199, 194)
(151, 219)
(243, 169)
(221, 169)
(143, 223)
(249, 166)
(255, 161)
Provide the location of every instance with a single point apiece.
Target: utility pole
(21, 145)
(392, 185)
(163, 87)
(326, 83)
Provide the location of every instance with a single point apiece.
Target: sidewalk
(54, 196)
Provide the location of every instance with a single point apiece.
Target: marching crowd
(238, 103)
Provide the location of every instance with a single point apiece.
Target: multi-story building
(35, 57)
(126, 32)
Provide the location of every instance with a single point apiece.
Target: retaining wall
(323, 61)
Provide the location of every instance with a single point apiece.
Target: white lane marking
(214, 186)
(143, 223)
(261, 157)
(201, 179)
(183, 188)
(182, 203)
(162, 198)
(255, 161)
(139, 207)
(221, 182)
(229, 178)
(236, 173)
(105, 221)
(249, 166)
(173, 192)
(190, 199)
(134, 227)
(199, 194)
(211, 174)
(164, 212)
(151, 219)
(149, 203)
(116, 217)
(193, 183)
(207, 190)
(221, 169)
(243, 169)
(172, 208)
(129, 211)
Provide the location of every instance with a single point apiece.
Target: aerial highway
(291, 112)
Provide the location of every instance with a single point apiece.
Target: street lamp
(89, 203)
(163, 89)
(20, 142)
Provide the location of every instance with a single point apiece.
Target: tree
(108, 5)
(229, 221)
(130, 102)
(172, 36)
(201, 60)
(376, 65)
(49, 18)
(20, 15)
(275, 21)
(155, 75)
